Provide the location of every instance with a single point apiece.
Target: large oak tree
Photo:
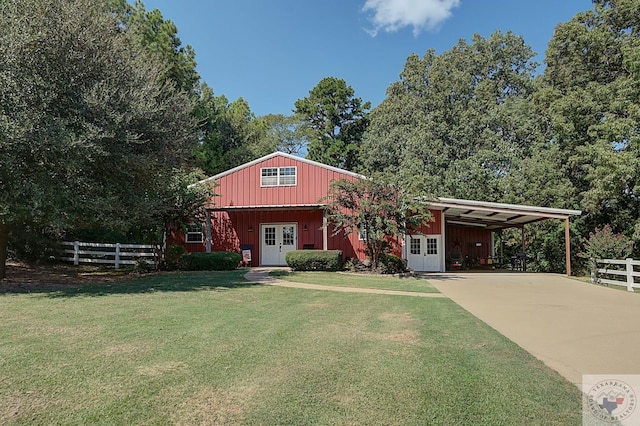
(462, 120)
(89, 125)
(591, 92)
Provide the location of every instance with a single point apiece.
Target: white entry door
(423, 253)
(276, 240)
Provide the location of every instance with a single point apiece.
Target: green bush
(387, 264)
(357, 265)
(390, 264)
(216, 261)
(314, 260)
(142, 266)
(172, 257)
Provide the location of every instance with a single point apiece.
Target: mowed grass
(346, 279)
(211, 348)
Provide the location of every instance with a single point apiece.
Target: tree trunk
(4, 242)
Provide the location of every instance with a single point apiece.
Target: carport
(494, 217)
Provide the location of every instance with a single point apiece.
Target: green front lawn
(346, 279)
(211, 348)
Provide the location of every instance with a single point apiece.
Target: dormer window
(278, 176)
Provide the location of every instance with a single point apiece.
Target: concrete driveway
(574, 327)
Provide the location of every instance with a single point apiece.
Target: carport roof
(495, 216)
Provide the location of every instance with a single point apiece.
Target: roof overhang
(267, 207)
(495, 216)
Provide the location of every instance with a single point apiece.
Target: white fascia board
(456, 203)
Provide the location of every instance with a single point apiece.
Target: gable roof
(279, 154)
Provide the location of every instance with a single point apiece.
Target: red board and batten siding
(472, 243)
(242, 187)
(233, 229)
(244, 205)
(434, 227)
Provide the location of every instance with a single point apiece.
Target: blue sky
(273, 52)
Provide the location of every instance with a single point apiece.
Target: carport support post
(524, 256)
(567, 245)
(325, 237)
(207, 226)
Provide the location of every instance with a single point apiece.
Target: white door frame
(278, 242)
(420, 258)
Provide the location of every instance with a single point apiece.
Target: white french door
(423, 252)
(276, 239)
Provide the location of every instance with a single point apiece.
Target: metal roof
(278, 154)
(495, 216)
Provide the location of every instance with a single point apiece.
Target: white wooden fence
(617, 272)
(114, 254)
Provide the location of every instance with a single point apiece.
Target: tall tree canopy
(286, 133)
(88, 125)
(591, 92)
(336, 121)
(230, 134)
(159, 39)
(462, 120)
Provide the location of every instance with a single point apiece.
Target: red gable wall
(242, 187)
(435, 226)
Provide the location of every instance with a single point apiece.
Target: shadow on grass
(160, 282)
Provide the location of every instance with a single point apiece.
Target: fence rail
(107, 253)
(617, 272)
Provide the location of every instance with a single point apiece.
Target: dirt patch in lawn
(14, 406)
(401, 318)
(405, 336)
(215, 406)
(162, 368)
(27, 278)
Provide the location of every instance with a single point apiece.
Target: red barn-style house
(272, 205)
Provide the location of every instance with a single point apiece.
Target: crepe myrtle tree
(377, 209)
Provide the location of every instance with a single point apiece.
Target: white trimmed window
(194, 233)
(415, 246)
(432, 246)
(278, 176)
(362, 235)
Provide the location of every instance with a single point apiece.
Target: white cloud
(392, 15)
